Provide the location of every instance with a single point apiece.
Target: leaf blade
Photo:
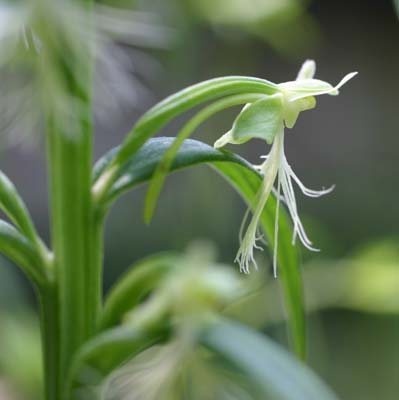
(277, 373)
(105, 352)
(246, 180)
(12, 204)
(20, 250)
(141, 277)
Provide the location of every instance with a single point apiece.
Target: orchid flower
(266, 119)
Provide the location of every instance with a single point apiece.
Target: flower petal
(307, 70)
(306, 191)
(315, 88)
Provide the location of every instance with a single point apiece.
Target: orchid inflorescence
(266, 119)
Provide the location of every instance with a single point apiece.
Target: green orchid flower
(266, 119)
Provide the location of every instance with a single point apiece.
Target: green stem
(95, 272)
(74, 231)
(69, 164)
(50, 339)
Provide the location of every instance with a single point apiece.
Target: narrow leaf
(13, 206)
(20, 250)
(247, 185)
(142, 277)
(246, 181)
(163, 112)
(102, 354)
(160, 173)
(396, 5)
(278, 374)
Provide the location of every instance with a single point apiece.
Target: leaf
(246, 180)
(262, 119)
(159, 175)
(142, 277)
(140, 167)
(247, 184)
(159, 115)
(396, 5)
(13, 206)
(278, 374)
(19, 249)
(105, 352)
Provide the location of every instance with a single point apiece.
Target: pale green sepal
(307, 70)
(312, 87)
(223, 140)
(262, 119)
(292, 109)
(308, 86)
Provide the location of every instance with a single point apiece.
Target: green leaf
(396, 5)
(247, 184)
(155, 186)
(142, 277)
(174, 105)
(13, 206)
(105, 352)
(19, 249)
(262, 119)
(140, 167)
(278, 374)
(246, 180)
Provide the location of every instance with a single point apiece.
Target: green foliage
(105, 352)
(139, 281)
(163, 300)
(396, 5)
(246, 180)
(276, 372)
(22, 251)
(14, 207)
(20, 356)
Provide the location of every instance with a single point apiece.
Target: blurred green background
(351, 141)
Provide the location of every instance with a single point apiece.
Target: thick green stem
(70, 179)
(50, 339)
(77, 284)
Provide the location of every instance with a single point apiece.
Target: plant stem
(50, 339)
(77, 265)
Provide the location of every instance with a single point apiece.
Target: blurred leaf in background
(20, 355)
(367, 281)
(283, 24)
(396, 5)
